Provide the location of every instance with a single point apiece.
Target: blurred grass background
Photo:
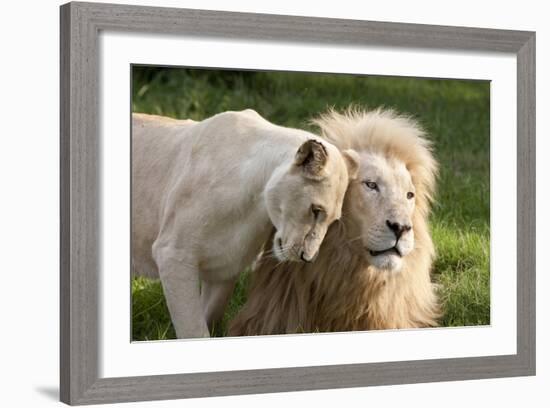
(455, 114)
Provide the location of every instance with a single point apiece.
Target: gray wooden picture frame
(81, 24)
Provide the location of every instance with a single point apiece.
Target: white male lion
(373, 269)
(206, 196)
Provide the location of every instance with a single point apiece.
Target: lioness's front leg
(180, 282)
(214, 298)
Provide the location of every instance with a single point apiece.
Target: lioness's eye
(316, 210)
(410, 195)
(372, 185)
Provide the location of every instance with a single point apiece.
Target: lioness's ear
(312, 157)
(352, 162)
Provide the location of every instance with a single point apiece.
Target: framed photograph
(260, 203)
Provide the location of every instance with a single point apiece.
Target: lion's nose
(398, 229)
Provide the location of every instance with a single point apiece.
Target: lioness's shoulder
(243, 117)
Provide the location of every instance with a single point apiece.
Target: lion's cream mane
(340, 291)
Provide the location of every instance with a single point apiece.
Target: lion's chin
(387, 262)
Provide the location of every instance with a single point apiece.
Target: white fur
(206, 195)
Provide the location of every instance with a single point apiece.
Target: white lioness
(206, 195)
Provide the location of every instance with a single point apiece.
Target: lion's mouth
(384, 251)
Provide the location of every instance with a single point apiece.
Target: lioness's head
(387, 204)
(306, 197)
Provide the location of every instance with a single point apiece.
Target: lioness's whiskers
(354, 239)
(282, 251)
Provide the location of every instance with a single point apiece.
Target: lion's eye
(410, 195)
(372, 185)
(316, 210)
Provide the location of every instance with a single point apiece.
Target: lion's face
(306, 198)
(381, 204)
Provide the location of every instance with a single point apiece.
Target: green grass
(455, 113)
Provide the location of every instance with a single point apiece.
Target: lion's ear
(352, 162)
(312, 158)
